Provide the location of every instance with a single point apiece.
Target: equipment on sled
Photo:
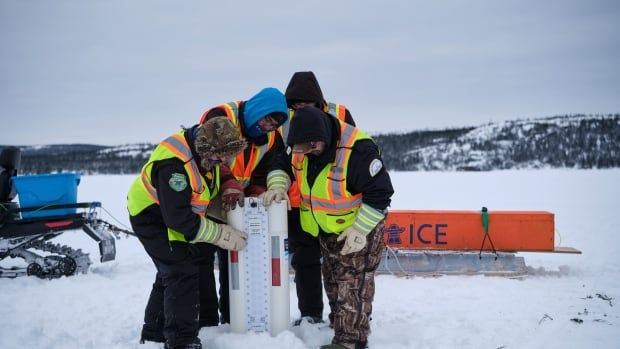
(466, 242)
(47, 208)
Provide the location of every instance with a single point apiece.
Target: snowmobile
(26, 232)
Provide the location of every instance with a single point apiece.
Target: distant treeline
(568, 141)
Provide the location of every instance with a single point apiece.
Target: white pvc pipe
(280, 296)
(277, 260)
(236, 279)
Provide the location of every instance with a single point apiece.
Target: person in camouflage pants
(350, 284)
(345, 191)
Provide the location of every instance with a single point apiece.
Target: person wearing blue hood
(257, 119)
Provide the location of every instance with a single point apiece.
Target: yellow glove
(355, 241)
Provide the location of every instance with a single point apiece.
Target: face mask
(256, 131)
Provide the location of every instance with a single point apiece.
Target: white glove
(231, 238)
(355, 241)
(275, 194)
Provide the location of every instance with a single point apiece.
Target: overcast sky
(120, 71)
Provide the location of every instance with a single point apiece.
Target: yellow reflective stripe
(278, 179)
(208, 230)
(367, 218)
(232, 111)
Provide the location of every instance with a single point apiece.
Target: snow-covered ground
(104, 308)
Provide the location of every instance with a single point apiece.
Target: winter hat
(218, 136)
(309, 124)
(304, 87)
(268, 102)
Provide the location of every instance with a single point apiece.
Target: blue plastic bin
(47, 189)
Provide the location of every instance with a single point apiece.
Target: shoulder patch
(375, 166)
(177, 182)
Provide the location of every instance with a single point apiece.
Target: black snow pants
(306, 260)
(183, 297)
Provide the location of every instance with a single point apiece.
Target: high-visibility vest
(143, 194)
(240, 169)
(334, 109)
(328, 204)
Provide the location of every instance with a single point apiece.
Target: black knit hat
(304, 87)
(309, 124)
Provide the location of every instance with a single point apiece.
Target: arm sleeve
(225, 173)
(175, 204)
(367, 175)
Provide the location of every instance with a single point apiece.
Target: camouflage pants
(350, 284)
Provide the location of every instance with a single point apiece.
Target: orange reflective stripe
(231, 109)
(337, 110)
(294, 194)
(194, 180)
(336, 195)
(173, 150)
(150, 190)
(242, 170)
(341, 112)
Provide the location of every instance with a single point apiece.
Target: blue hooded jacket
(268, 101)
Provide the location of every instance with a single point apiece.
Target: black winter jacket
(175, 206)
(376, 189)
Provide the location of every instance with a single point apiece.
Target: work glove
(354, 241)
(366, 220)
(275, 194)
(232, 194)
(231, 238)
(277, 186)
(221, 235)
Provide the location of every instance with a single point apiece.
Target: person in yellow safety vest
(167, 206)
(345, 192)
(304, 90)
(256, 119)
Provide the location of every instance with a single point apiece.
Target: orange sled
(466, 242)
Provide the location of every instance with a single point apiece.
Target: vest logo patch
(177, 182)
(375, 166)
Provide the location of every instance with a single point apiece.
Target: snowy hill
(89, 159)
(573, 141)
(570, 141)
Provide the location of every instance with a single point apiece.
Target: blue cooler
(47, 189)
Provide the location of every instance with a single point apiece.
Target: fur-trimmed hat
(218, 136)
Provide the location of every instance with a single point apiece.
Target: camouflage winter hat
(218, 136)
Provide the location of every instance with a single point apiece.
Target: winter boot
(195, 344)
(356, 345)
(309, 319)
(337, 346)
